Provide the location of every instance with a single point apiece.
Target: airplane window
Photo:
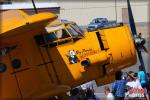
(16, 63)
(78, 28)
(2, 67)
(73, 32)
(59, 34)
(50, 37)
(62, 34)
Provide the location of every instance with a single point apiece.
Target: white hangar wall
(83, 11)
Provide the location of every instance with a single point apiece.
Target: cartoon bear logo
(72, 57)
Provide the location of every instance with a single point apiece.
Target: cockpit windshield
(77, 28)
(73, 32)
(63, 31)
(60, 33)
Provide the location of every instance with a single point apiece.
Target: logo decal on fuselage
(86, 52)
(72, 57)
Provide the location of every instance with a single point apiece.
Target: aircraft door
(8, 82)
(32, 77)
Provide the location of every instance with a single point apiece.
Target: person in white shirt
(133, 86)
(133, 80)
(109, 95)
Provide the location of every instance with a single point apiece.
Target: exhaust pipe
(99, 58)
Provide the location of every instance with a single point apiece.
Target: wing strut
(35, 9)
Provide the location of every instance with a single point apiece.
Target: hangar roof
(28, 5)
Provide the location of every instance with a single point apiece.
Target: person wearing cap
(133, 87)
(133, 80)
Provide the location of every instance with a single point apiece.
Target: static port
(16, 63)
(2, 67)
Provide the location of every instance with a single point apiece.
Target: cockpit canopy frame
(60, 33)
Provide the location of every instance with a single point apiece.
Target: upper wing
(16, 21)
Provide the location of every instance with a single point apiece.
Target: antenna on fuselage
(35, 9)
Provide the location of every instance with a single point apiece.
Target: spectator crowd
(127, 86)
(131, 86)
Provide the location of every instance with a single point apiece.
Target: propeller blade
(131, 19)
(134, 32)
(35, 9)
(133, 29)
(141, 59)
(145, 49)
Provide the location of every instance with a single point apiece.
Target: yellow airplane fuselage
(52, 68)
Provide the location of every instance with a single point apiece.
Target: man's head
(106, 90)
(74, 91)
(130, 76)
(118, 75)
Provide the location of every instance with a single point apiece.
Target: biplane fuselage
(40, 60)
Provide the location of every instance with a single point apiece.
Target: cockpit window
(59, 33)
(62, 34)
(72, 31)
(78, 28)
(51, 37)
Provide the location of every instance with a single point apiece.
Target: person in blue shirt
(142, 77)
(118, 87)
